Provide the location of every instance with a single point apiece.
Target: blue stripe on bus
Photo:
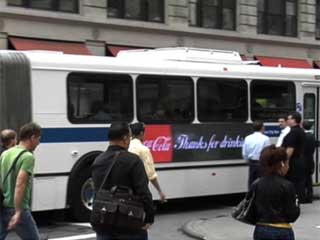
(272, 131)
(60, 135)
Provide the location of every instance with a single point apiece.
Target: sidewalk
(307, 227)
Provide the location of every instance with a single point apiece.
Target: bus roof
(171, 62)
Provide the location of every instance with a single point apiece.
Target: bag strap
(13, 165)
(116, 155)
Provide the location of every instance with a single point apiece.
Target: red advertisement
(158, 138)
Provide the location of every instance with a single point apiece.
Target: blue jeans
(272, 233)
(108, 236)
(26, 228)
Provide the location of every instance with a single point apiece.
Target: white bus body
(67, 148)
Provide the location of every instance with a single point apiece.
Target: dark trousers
(300, 186)
(309, 188)
(272, 233)
(254, 171)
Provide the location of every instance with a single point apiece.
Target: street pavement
(187, 220)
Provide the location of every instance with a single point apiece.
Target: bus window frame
(138, 101)
(82, 121)
(289, 82)
(224, 79)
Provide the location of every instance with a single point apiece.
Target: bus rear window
(99, 98)
(271, 99)
(222, 100)
(165, 99)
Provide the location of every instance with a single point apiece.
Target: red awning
(33, 44)
(114, 50)
(316, 64)
(283, 62)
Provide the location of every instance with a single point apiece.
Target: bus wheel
(82, 193)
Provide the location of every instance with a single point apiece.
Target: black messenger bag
(117, 208)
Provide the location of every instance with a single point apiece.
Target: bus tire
(80, 190)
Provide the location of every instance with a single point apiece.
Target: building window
(318, 20)
(268, 107)
(142, 10)
(219, 14)
(277, 17)
(99, 98)
(222, 100)
(51, 5)
(165, 99)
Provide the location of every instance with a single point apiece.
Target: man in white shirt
(136, 146)
(251, 150)
(285, 129)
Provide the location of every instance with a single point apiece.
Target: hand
(162, 197)
(147, 226)
(15, 219)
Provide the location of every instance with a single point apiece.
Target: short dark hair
(257, 126)
(28, 130)
(7, 135)
(118, 131)
(307, 125)
(271, 157)
(296, 116)
(137, 128)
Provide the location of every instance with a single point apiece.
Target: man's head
(294, 119)
(307, 125)
(283, 122)
(8, 138)
(120, 134)
(258, 126)
(29, 135)
(137, 130)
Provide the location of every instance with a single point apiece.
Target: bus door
(311, 113)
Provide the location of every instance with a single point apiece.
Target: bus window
(99, 98)
(165, 99)
(309, 106)
(271, 99)
(221, 100)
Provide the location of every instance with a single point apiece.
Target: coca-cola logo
(161, 143)
(158, 138)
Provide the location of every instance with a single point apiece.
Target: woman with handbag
(276, 204)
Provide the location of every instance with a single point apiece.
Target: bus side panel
(49, 193)
(202, 181)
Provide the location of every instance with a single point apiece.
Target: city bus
(198, 105)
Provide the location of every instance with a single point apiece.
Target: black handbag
(245, 210)
(7, 175)
(117, 208)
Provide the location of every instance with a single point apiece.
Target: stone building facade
(92, 23)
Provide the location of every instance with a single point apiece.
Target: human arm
(151, 173)
(21, 184)
(290, 151)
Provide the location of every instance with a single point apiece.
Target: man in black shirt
(310, 146)
(128, 171)
(294, 142)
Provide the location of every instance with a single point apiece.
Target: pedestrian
(8, 139)
(127, 171)
(16, 214)
(310, 146)
(285, 129)
(136, 146)
(294, 143)
(251, 149)
(275, 202)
